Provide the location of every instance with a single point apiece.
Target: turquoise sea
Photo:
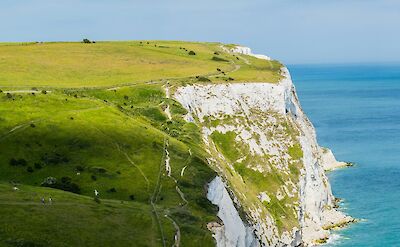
(356, 112)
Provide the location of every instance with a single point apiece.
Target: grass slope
(113, 63)
(101, 126)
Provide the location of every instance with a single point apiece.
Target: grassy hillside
(114, 63)
(77, 117)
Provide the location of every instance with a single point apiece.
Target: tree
(86, 41)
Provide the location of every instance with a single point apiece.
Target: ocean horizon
(355, 110)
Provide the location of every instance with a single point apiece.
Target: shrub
(126, 97)
(203, 79)
(37, 166)
(13, 162)
(19, 162)
(44, 92)
(132, 197)
(86, 41)
(93, 177)
(9, 95)
(100, 170)
(66, 184)
(79, 168)
(29, 169)
(112, 190)
(54, 159)
(192, 53)
(218, 59)
(33, 125)
(48, 182)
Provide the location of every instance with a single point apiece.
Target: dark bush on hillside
(99, 170)
(19, 162)
(192, 53)
(80, 168)
(29, 169)
(54, 159)
(65, 184)
(218, 69)
(203, 79)
(86, 41)
(33, 125)
(126, 97)
(216, 53)
(132, 197)
(1, 91)
(9, 95)
(112, 190)
(37, 166)
(44, 92)
(218, 59)
(93, 177)
(49, 181)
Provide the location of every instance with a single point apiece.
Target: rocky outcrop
(232, 231)
(265, 149)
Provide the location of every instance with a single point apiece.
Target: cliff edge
(265, 151)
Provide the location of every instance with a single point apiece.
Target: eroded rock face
(265, 148)
(233, 232)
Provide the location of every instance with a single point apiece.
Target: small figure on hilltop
(50, 200)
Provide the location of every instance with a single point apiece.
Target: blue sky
(293, 31)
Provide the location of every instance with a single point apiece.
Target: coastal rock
(258, 132)
(233, 232)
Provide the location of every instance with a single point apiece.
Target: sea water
(356, 112)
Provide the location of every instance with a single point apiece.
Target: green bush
(218, 59)
(19, 162)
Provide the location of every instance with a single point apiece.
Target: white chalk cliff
(272, 172)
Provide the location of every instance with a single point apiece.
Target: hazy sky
(293, 31)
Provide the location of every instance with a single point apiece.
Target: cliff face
(275, 191)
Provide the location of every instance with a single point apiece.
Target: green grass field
(105, 64)
(101, 126)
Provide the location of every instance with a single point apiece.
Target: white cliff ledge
(265, 149)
